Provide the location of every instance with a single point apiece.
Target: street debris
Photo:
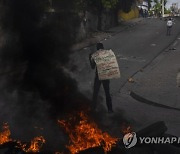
(131, 80)
(172, 49)
(153, 45)
(141, 70)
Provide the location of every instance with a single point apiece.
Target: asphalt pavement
(151, 59)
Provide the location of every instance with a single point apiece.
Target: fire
(86, 134)
(36, 143)
(125, 129)
(5, 134)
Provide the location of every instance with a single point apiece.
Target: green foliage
(165, 1)
(167, 11)
(158, 6)
(109, 3)
(150, 13)
(149, 4)
(77, 6)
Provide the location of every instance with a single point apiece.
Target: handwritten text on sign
(107, 65)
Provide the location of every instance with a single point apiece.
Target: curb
(149, 102)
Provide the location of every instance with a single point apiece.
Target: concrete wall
(89, 23)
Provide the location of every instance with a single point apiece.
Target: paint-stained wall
(134, 13)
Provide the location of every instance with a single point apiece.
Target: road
(146, 54)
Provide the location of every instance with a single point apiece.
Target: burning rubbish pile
(82, 131)
(86, 138)
(85, 134)
(5, 140)
(5, 134)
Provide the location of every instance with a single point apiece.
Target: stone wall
(89, 23)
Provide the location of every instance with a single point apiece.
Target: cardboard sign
(106, 64)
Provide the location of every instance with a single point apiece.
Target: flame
(86, 135)
(36, 143)
(5, 134)
(126, 129)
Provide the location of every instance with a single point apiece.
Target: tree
(109, 4)
(157, 7)
(149, 4)
(98, 6)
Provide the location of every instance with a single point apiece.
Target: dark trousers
(169, 30)
(97, 84)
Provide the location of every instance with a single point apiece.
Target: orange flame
(36, 143)
(125, 129)
(85, 135)
(5, 134)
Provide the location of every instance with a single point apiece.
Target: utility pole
(162, 8)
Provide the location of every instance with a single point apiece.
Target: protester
(98, 82)
(141, 13)
(169, 26)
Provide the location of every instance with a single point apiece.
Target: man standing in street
(98, 82)
(169, 26)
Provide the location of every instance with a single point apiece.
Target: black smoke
(34, 48)
(42, 41)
